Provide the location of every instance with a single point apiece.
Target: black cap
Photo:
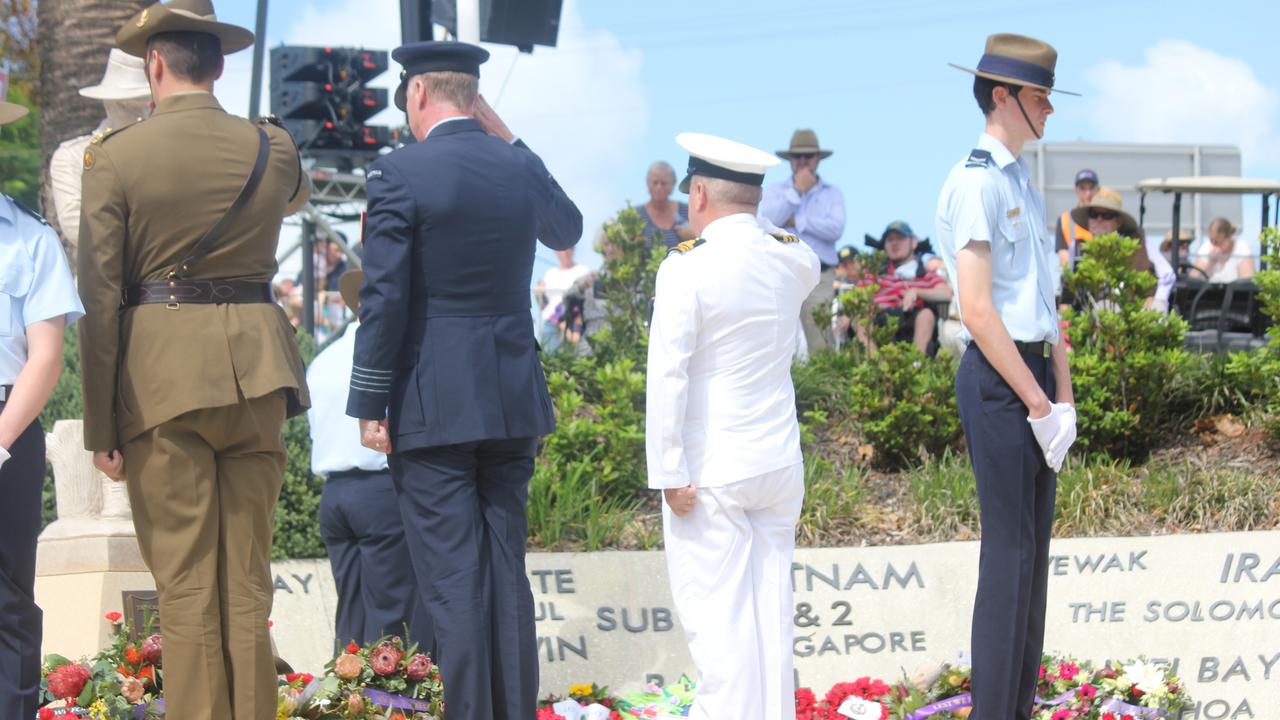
(432, 56)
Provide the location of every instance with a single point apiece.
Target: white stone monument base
(75, 604)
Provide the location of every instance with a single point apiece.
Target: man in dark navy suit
(446, 377)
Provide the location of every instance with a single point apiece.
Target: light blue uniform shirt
(988, 197)
(335, 437)
(35, 284)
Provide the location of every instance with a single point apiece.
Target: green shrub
(1262, 368)
(1129, 369)
(945, 498)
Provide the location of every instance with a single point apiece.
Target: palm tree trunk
(74, 38)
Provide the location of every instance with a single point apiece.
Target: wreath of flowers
(122, 682)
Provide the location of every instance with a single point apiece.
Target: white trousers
(729, 561)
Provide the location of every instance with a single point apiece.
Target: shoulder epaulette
(978, 158)
(785, 237)
(28, 211)
(101, 136)
(685, 246)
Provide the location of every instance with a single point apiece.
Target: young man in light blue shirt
(1013, 386)
(37, 301)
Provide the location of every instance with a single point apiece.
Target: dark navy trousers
(21, 621)
(364, 537)
(1016, 498)
(464, 515)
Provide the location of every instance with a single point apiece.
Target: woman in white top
(1223, 258)
(550, 293)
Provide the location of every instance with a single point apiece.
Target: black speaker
(415, 21)
(523, 23)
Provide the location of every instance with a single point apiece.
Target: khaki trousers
(821, 295)
(203, 488)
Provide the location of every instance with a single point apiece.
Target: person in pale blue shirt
(813, 209)
(37, 302)
(1013, 386)
(359, 515)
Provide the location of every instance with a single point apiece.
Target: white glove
(4, 455)
(1055, 433)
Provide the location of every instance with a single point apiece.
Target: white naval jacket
(721, 406)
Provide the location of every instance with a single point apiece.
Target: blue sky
(870, 76)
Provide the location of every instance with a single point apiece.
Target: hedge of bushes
(890, 411)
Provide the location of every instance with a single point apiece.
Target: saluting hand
(375, 435)
(681, 500)
(489, 120)
(110, 463)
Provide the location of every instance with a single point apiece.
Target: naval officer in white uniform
(722, 439)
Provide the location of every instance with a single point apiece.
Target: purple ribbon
(952, 703)
(399, 702)
(1064, 697)
(156, 707)
(1121, 707)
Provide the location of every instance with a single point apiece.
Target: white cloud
(552, 97)
(1186, 94)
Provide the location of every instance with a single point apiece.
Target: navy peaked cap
(435, 56)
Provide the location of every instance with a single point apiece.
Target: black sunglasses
(803, 156)
(1101, 215)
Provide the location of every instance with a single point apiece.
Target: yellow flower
(955, 680)
(581, 689)
(98, 709)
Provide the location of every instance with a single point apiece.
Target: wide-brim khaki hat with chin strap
(1109, 200)
(804, 142)
(1019, 60)
(180, 16)
(349, 288)
(9, 112)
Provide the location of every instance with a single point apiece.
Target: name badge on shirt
(1013, 213)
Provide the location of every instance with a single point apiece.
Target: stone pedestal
(89, 555)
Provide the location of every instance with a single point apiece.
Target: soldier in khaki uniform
(189, 367)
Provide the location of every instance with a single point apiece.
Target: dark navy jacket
(445, 348)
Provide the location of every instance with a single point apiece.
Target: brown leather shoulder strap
(205, 243)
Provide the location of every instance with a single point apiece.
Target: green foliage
(297, 526)
(1128, 365)
(20, 152)
(1262, 368)
(835, 504)
(945, 498)
(590, 476)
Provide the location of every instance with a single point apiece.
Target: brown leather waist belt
(175, 292)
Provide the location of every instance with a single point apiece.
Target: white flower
(1147, 677)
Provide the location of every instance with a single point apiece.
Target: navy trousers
(1016, 498)
(364, 537)
(464, 516)
(21, 621)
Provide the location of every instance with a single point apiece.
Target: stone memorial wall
(1209, 604)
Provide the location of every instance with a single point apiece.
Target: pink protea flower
(132, 690)
(152, 648)
(348, 666)
(419, 667)
(385, 659)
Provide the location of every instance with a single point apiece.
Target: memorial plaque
(1209, 604)
(141, 607)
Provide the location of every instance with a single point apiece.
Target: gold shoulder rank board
(784, 237)
(685, 246)
(88, 158)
